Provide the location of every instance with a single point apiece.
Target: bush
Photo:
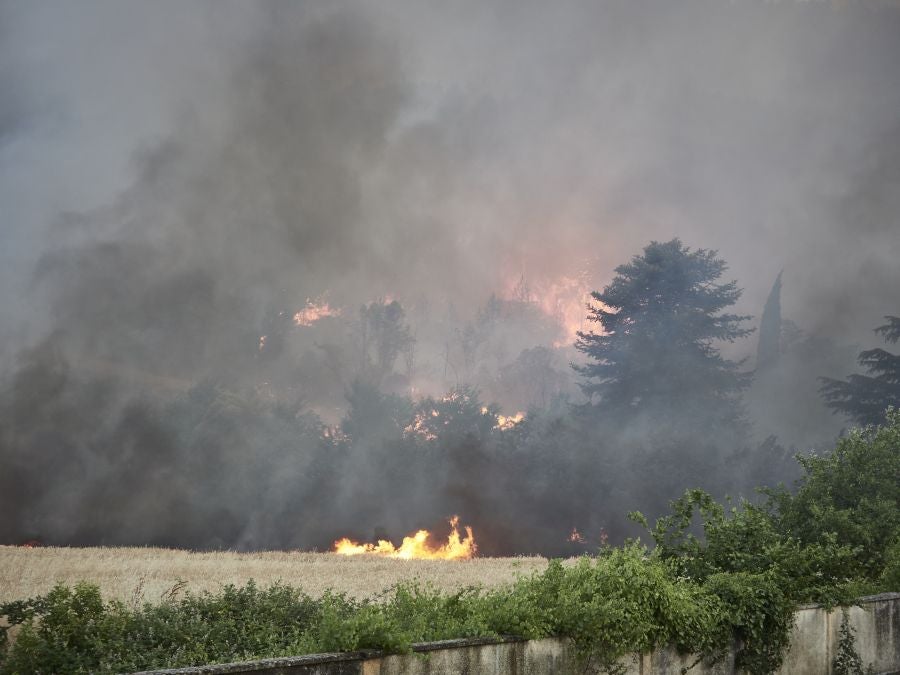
(851, 496)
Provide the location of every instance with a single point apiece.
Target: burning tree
(655, 354)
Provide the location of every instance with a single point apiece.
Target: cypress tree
(769, 348)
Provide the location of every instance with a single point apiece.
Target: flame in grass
(417, 546)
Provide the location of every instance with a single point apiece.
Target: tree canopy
(660, 319)
(864, 398)
(383, 335)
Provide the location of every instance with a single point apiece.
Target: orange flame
(509, 421)
(416, 546)
(505, 422)
(576, 537)
(419, 427)
(565, 299)
(313, 311)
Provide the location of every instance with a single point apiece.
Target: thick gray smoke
(179, 180)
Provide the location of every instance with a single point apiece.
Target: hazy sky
(403, 148)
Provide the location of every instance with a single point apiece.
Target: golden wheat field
(136, 574)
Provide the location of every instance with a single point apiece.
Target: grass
(138, 574)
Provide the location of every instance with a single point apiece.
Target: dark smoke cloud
(417, 142)
(184, 177)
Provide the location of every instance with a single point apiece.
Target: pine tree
(660, 320)
(865, 398)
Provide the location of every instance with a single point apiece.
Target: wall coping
(330, 657)
(864, 600)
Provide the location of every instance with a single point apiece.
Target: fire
(335, 434)
(505, 422)
(419, 425)
(416, 546)
(576, 537)
(565, 299)
(313, 311)
(509, 421)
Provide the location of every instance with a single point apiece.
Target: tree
(374, 415)
(852, 496)
(383, 336)
(769, 348)
(532, 380)
(864, 398)
(457, 417)
(655, 353)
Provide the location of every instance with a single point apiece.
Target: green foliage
(847, 660)
(864, 398)
(851, 496)
(73, 630)
(890, 577)
(837, 538)
(746, 539)
(623, 601)
(759, 614)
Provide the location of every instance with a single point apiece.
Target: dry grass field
(134, 574)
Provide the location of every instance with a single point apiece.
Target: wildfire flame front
(416, 546)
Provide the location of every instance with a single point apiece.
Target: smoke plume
(179, 181)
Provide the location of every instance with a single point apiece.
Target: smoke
(179, 180)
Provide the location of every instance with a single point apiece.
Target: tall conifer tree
(656, 352)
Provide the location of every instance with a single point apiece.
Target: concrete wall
(814, 640)
(813, 645)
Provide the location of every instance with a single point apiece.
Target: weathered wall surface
(814, 640)
(813, 646)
